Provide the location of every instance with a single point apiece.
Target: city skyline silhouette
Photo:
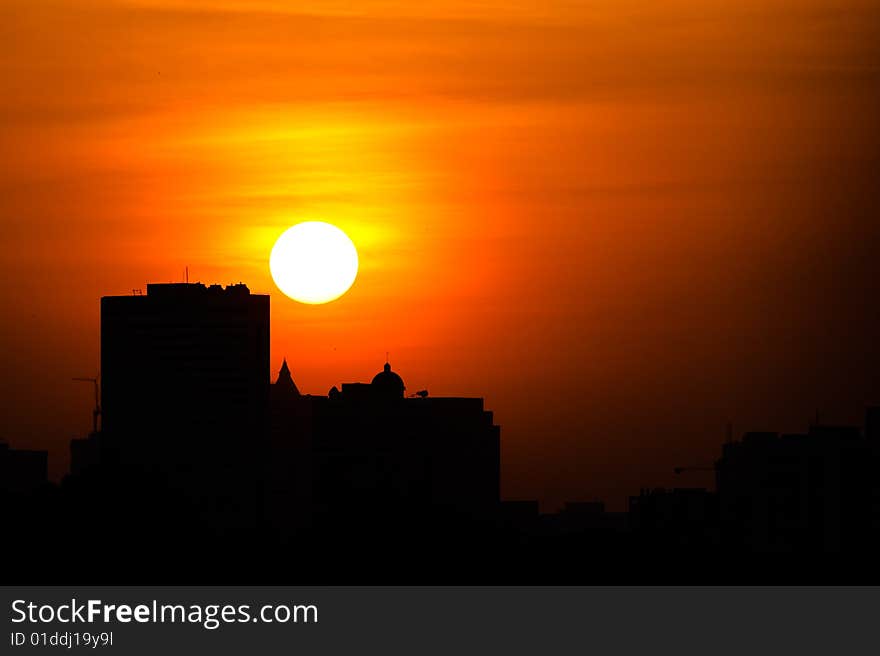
(200, 464)
(692, 468)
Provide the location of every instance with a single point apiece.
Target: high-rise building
(185, 385)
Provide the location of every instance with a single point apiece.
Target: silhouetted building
(377, 457)
(284, 387)
(22, 471)
(519, 515)
(185, 386)
(289, 471)
(583, 519)
(813, 492)
(673, 519)
(33, 532)
(85, 453)
(872, 424)
(387, 384)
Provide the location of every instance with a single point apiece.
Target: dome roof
(388, 384)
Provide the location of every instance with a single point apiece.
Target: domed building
(365, 456)
(387, 384)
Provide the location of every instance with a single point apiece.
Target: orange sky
(622, 223)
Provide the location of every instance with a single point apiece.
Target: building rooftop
(189, 289)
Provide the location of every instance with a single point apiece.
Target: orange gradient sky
(622, 223)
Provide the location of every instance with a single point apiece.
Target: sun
(313, 262)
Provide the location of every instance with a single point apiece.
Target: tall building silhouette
(185, 384)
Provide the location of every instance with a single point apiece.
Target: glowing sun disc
(313, 262)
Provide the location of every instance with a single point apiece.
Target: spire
(285, 380)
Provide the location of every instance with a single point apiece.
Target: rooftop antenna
(186, 274)
(386, 357)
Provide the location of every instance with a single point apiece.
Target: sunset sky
(623, 223)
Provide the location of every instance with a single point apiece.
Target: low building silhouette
(289, 469)
(377, 457)
(28, 513)
(22, 471)
(85, 453)
(812, 492)
(519, 516)
(674, 519)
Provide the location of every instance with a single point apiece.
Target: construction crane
(97, 411)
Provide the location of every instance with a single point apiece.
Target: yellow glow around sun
(313, 262)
